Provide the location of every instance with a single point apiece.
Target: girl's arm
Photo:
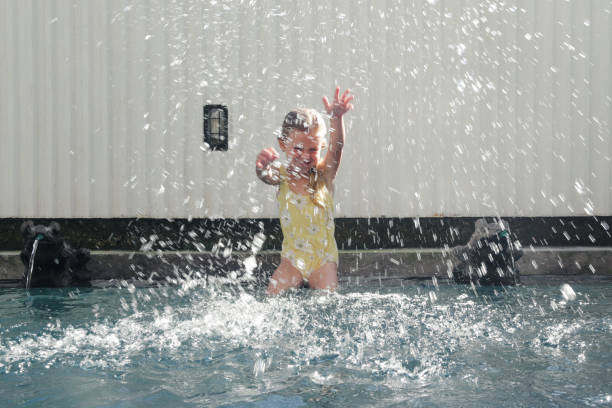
(337, 109)
(264, 168)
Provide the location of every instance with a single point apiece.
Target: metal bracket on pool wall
(216, 127)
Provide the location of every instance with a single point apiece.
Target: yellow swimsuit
(308, 230)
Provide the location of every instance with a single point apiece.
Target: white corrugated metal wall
(463, 107)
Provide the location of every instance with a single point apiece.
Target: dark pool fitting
(48, 259)
(489, 258)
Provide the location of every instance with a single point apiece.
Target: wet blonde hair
(310, 121)
(302, 119)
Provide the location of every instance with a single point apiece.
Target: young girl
(305, 191)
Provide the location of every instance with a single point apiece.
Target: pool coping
(356, 267)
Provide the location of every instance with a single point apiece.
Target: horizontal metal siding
(463, 107)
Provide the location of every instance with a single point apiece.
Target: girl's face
(303, 150)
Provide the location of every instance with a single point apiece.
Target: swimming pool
(201, 343)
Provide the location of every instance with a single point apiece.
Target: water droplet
(461, 49)
(579, 186)
(250, 264)
(258, 241)
(259, 367)
(227, 252)
(567, 292)
(553, 305)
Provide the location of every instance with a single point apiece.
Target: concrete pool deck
(356, 267)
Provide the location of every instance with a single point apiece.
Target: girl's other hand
(341, 104)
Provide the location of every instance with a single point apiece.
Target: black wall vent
(215, 127)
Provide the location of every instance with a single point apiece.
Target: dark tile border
(135, 234)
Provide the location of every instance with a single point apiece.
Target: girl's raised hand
(341, 104)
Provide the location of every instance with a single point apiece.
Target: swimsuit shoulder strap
(283, 178)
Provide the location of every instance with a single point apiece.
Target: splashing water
(206, 343)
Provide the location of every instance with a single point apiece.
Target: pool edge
(408, 263)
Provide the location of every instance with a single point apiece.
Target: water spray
(31, 263)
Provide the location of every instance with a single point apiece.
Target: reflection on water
(202, 343)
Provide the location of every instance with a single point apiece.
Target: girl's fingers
(337, 94)
(271, 155)
(265, 157)
(346, 101)
(326, 103)
(345, 94)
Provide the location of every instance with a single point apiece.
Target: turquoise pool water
(202, 344)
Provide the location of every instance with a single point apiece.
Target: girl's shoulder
(324, 175)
